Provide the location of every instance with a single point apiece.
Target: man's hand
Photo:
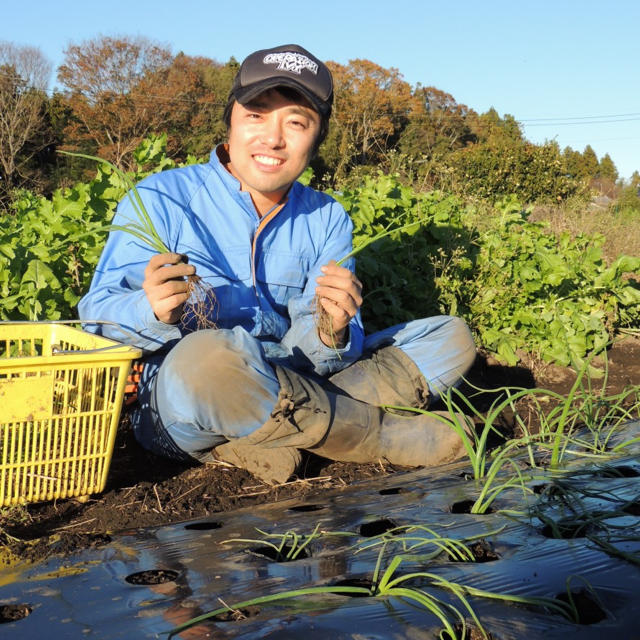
(340, 294)
(165, 285)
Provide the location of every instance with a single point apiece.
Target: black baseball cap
(289, 65)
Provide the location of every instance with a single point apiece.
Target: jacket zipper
(261, 226)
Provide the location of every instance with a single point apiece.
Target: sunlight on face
(271, 140)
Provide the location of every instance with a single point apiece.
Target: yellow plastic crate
(61, 393)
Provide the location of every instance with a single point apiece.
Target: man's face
(271, 140)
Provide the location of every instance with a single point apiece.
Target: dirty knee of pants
(214, 385)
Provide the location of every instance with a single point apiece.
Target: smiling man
(266, 381)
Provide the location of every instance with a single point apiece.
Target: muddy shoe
(362, 433)
(273, 465)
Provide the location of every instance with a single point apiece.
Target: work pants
(216, 385)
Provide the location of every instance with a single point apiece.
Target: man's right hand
(166, 286)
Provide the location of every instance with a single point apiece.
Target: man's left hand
(340, 294)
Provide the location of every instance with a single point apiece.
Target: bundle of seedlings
(324, 322)
(202, 299)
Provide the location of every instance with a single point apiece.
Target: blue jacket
(263, 270)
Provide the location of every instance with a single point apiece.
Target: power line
(583, 123)
(618, 115)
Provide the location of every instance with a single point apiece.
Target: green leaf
(7, 250)
(40, 275)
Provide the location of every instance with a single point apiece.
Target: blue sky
(569, 70)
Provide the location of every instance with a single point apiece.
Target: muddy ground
(144, 490)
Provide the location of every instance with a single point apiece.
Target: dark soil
(144, 490)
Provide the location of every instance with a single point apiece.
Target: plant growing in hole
(386, 582)
(491, 490)
(564, 511)
(202, 300)
(602, 413)
(411, 538)
(290, 545)
(474, 438)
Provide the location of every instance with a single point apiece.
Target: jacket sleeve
(116, 298)
(302, 341)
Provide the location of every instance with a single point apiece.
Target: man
(267, 382)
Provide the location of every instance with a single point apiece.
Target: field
(149, 500)
(543, 511)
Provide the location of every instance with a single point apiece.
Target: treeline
(114, 92)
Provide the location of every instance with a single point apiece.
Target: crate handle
(62, 352)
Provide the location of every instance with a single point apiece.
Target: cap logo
(289, 61)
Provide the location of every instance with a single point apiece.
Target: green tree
(607, 169)
(490, 127)
(500, 167)
(590, 162)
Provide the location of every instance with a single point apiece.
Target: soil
(144, 490)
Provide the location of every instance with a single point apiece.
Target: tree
(24, 77)
(206, 127)
(491, 128)
(371, 108)
(573, 162)
(108, 88)
(589, 162)
(437, 124)
(607, 168)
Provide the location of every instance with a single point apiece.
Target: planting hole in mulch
(589, 611)
(566, 530)
(235, 615)
(152, 576)
(393, 491)
(539, 488)
(481, 550)
(354, 582)
(468, 632)
(279, 556)
(632, 508)
(377, 527)
(306, 508)
(13, 612)
(465, 506)
(621, 471)
(203, 526)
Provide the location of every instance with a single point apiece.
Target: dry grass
(621, 229)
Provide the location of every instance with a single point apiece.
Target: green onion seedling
(202, 300)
